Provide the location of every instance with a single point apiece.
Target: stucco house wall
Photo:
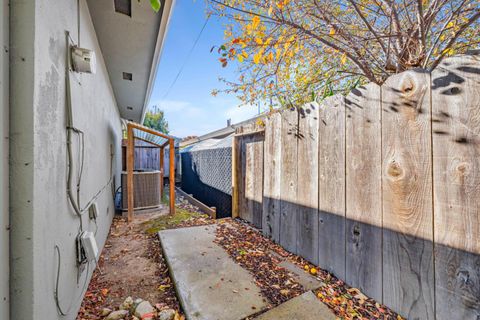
(4, 234)
(41, 216)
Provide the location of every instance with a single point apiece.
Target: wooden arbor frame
(131, 162)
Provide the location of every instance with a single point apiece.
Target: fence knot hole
(463, 168)
(395, 170)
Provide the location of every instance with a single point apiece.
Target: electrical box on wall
(83, 60)
(89, 245)
(92, 211)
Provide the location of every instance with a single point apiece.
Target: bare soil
(132, 264)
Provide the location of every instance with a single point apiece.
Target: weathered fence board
(456, 159)
(242, 188)
(147, 158)
(288, 181)
(256, 204)
(364, 190)
(272, 175)
(395, 180)
(331, 188)
(251, 175)
(307, 185)
(408, 285)
(237, 184)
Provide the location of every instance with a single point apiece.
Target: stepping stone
(308, 281)
(303, 307)
(209, 284)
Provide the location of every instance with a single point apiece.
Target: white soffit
(131, 45)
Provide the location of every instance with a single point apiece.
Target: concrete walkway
(303, 307)
(211, 286)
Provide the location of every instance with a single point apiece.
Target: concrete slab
(210, 285)
(308, 281)
(303, 307)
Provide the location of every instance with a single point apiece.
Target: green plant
(156, 5)
(155, 119)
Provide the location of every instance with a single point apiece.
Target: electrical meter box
(83, 60)
(89, 245)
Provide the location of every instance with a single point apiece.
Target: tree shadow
(384, 264)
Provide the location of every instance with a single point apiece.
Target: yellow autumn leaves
(254, 26)
(269, 49)
(242, 56)
(253, 36)
(278, 4)
(259, 57)
(311, 270)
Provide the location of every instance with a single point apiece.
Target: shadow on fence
(394, 268)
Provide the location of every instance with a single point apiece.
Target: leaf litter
(261, 257)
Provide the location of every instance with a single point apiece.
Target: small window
(123, 6)
(127, 76)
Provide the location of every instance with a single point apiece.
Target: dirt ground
(132, 265)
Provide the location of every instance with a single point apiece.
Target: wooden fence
(381, 187)
(147, 157)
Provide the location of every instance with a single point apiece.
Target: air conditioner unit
(146, 188)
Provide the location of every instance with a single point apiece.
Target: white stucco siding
(96, 114)
(21, 157)
(4, 220)
(51, 219)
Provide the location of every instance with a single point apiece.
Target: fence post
(234, 177)
(172, 176)
(162, 156)
(130, 164)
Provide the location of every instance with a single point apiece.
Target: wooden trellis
(170, 141)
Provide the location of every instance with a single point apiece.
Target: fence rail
(381, 187)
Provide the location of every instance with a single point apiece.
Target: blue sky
(190, 108)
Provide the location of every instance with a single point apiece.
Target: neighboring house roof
(209, 144)
(221, 133)
(131, 44)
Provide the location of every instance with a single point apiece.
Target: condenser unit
(146, 188)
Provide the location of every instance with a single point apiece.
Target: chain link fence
(207, 173)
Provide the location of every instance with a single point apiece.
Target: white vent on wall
(123, 6)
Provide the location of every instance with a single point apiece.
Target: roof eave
(162, 32)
